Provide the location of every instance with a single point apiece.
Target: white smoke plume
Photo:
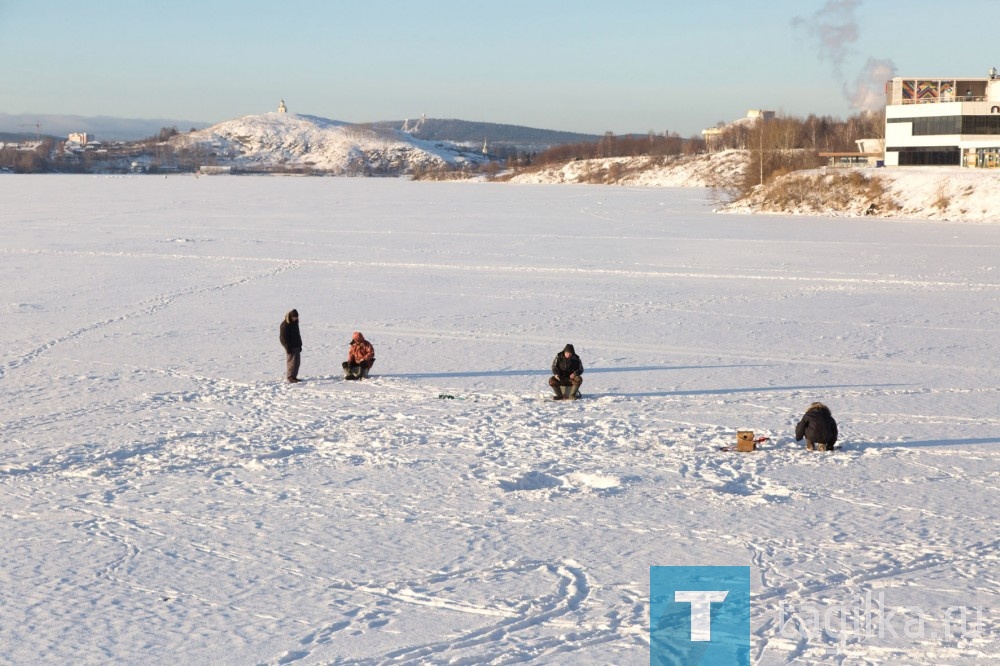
(868, 93)
(835, 27)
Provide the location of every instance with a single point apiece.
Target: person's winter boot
(810, 446)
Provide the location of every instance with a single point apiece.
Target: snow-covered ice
(166, 498)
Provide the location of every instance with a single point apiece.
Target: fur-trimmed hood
(820, 409)
(817, 425)
(289, 335)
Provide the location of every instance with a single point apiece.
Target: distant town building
(714, 135)
(943, 121)
(282, 108)
(81, 138)
(215, 170)
(753, 115)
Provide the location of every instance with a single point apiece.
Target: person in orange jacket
(360, 358)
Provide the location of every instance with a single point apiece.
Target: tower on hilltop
(282, 108)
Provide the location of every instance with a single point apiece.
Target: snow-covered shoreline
(166, 497)
(953, 194)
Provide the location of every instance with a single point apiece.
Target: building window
(951, 125)
(981, 124)
(933, 125)
(988, 158)
(928, 155)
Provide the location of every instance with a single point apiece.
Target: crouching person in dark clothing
(360, 358)
(818, 427)
(566, 370)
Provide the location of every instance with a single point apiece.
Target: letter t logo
(701, 610)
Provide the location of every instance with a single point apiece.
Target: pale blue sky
(580, 65)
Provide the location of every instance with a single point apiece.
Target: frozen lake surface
(167, 498)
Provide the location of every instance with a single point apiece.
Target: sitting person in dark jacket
(818, 427)
(360, 358)
(566, 370)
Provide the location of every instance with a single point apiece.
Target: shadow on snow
(919, 444)
(537, 372)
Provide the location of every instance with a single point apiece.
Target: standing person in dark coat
(818, 427)
(291, 340)
(566, 370)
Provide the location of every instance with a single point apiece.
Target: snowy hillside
(712, 170)
(928, 193)
(167, 498)
(292, 141)
(931, 193)
(288, 141)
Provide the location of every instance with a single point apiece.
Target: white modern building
(943, 121)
